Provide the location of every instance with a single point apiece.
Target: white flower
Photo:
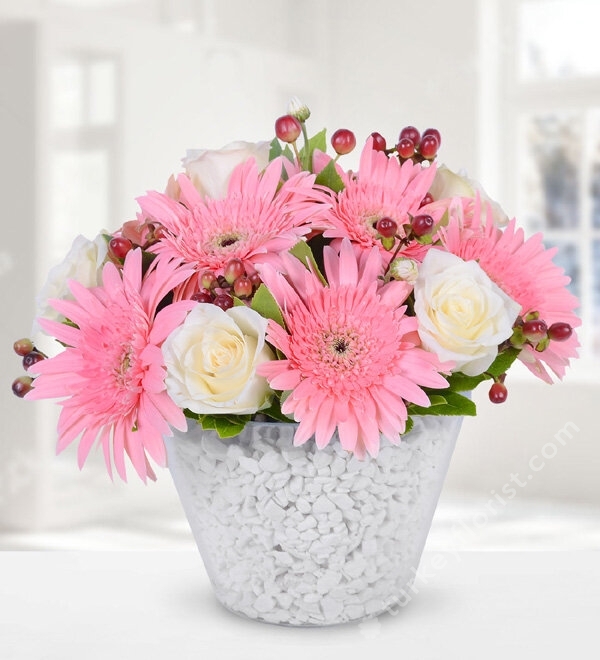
(404, 269)
(83, 263)
(211, 361)
(298, 109)
(449, 184)
(462, 314)
(210, 169)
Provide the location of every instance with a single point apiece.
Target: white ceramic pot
(309, 537)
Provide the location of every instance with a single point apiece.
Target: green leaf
(303, 252)
(329, 178)
(409, 425)
(227, 426)
(275, 151)
(318, 141)
(460, 383)
(264, 303)
(455, 404)
(274, 412)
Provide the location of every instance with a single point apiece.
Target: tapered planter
(305, 536)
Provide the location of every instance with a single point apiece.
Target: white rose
(449, 184)
(210, 169)
(462, 314)
(83, 263)
(211, 361)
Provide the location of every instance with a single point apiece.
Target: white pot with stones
(305, 536)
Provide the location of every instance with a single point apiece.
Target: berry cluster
(534, 332)
(31, 355)
(220, 290)
(411, 145)
(420, 227)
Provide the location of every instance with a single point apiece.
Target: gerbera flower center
(226, 241)
(340, 345)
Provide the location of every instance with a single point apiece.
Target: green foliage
(445, 402)
(318, 141)
(303, 252)
(329, 178)
(227, 426)
(460, 383)
(264, 303)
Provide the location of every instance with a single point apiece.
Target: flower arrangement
(269, 282)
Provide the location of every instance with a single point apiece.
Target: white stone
(341, 500)
(296, 484)
(250, 464)
(328, 581)
(323, 505)
(264, 603)
(274, 511)
(338, 466)
(303, 505)
(355, 567)
(332, 608)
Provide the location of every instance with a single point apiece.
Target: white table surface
(159, 605)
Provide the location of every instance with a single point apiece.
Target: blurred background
(99, 100)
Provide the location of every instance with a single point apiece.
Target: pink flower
(111, 374)
(254, 223)
(382, 187)
(351, 355)
(524, 270)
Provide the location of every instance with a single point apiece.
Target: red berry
(379, 143)
(233, 270)
(242, 287)
(23, 346)
(119, 247)
(560, 331)
(386, 227)
(411, 133)
(343, 141)
(406, 148)
(208, 279)
(428, 199)
(203, 296)
(22, 385)
(534, 330)
(435, 133)
(255, 279)
(429, 147)
(288, 128)
(33, 357)
(224, 301)
(498, 393)
(422, 225)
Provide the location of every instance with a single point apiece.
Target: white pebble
(355, 567)
(296, 484)
(341, 500)
(250, 464)
(303, 505)
(331, 608)
(274, 511)
(273, 462)
(264, 603)
(323, 505)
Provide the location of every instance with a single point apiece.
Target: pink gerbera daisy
(352, 360)
(111, 374)
(381, 188)
(258, 219)
(524, 270)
